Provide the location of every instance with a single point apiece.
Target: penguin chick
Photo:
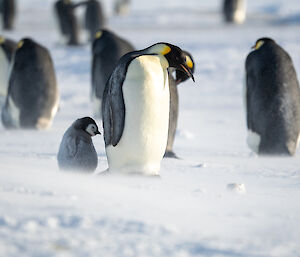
(107, 49)
(7, 50)
(174, 102)
(76, 150)
(32, 98)
(135, 108)
(272, 97)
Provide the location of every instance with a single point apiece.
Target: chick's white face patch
(91, 129)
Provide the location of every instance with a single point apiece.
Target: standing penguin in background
(32, 98)
(272, 100)
(65, 11)
(7, 50)
(94, 17)
(76, 150)
(135, 108)
(174, 105)
(107, 49)
(121, 7)
(8, 13)
(234, 11)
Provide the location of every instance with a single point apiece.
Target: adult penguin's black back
(94, 17)
(107, 49)
(272, 100)
(65, 11)
(32, 98)
(8, 12)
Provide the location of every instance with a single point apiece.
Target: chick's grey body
(273, 100)
(107, 50)
(32, 98)
(76, 151)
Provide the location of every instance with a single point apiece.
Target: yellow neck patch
(20, 44)
(2, 39)
(98, 34)
(259, 44)
(189, 62)
(166, 49)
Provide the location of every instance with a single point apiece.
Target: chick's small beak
(97, 132)
(187, 71)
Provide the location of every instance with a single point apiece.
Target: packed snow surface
(218, 199)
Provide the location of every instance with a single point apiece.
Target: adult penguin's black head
(262, 41)
(176, 58)
(26, 42)
(181, 76)
(179, 60)
(88, 125)
(100, 38)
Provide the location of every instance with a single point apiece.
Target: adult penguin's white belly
(146, 97)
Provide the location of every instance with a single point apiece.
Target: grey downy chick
(76, 151)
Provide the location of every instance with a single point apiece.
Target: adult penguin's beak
(187, 70)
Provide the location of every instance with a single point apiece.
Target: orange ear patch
(20, 44)
(189, 62)
(98, 34)
(166, 49)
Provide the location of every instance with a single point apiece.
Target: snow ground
(188, 211)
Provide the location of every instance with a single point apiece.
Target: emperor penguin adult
(234, 11)
(174, 102)
(272, 100)
(121, 7)
(7, 49)
(76, 150)
(94, 17)
(32, 98)
(107, 49)
(8, 14)
(135, 108)
(67, 21)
